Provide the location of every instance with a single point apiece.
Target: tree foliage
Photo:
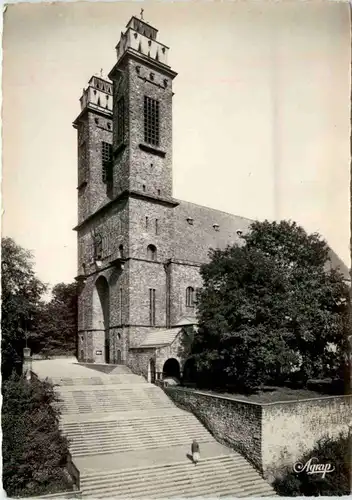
(270, 308)
(21, 294)
(56, 330)
(34, 450)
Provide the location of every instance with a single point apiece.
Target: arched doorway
(101, 309)
(171, 368)
(151, 371)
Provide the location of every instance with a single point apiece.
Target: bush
(338, 454)
(34, 450)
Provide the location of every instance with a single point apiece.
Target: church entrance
(171, 368)
(101, 315)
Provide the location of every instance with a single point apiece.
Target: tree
(56, 329)
(21, 294)
(270, 308)
(34, 450)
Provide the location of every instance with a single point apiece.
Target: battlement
(142, 38)
(97, 94)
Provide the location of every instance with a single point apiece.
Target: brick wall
(182, 276)
(290, 429)
(234, 423)
(138, 360)
(273, 435)
(155, 172)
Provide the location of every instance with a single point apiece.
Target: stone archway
(101, 311)
(171, 368)
(151, 371)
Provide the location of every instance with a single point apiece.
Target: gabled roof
(160, 338)
(187, 321)
(336, 263)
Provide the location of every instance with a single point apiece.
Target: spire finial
(101, 72)
(142, 10)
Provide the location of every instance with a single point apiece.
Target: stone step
(140, 387)
(118, 434)
(182, 418)
(226, 475)
(111, 408)
(169, 411)
(119, 379)
(173, 469)
(91, 438)
(117, 448)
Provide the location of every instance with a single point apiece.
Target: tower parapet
(141, 38)
(98, 94)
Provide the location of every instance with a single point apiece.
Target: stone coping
(258, 403)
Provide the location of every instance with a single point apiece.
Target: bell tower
(142, 113)
(94, 127)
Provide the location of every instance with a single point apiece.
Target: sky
(261, 113)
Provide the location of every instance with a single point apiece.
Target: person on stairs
(195, 452)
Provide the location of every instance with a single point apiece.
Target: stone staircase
(212, 477)
(129, 440)
(111, 398)
(99, 438)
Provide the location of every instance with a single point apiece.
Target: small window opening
(190, 297)
(151, 252)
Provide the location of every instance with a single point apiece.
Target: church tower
(125, 206)
(142, 114)
(94, 126)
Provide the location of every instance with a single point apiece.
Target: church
(139, 248)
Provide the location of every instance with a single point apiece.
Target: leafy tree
(270, 308)
(21, 293)
(56, 329)
(34, 450)
(337, 452)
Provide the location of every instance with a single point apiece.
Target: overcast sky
(261, 113)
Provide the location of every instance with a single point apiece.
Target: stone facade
(271, 435)
(139, 249)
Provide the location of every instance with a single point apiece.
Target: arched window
(151, 252)
(190, 297)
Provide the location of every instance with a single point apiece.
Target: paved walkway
(147, 458)
(63, 367)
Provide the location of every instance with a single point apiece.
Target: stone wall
(290, 429)
(234, 423)
(272, 435)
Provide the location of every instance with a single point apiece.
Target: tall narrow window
(120, 120)
(156, 226)
(82, 175)
(106, 160)
(98, 247)
(190, 297)
(121, 306)
(151, 252)
(151, 121)
(151, 306)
